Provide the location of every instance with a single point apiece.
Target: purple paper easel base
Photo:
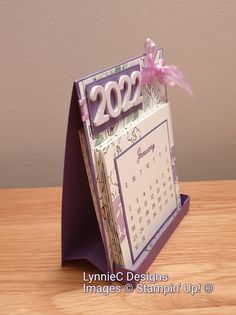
(185, 201)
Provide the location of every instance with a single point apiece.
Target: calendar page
(141, 182)
(122, 84)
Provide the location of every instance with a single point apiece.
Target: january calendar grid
(149, 203)
(126, 143)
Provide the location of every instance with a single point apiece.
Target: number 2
(100, 118)
(136, 77)
(127, 103)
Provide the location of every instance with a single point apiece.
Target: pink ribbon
(165, 75)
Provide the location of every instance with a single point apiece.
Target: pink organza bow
(166, 75)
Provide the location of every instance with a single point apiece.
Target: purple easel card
(121, 199)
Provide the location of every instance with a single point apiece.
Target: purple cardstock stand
(81, 237)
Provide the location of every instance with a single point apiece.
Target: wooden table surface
(201, 251)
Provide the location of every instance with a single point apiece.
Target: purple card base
(185, 201)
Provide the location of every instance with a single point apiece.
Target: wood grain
(202, 250)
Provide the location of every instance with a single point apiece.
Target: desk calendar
(121, 199)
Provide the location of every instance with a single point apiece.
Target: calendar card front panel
(146, 187)
(142, 182)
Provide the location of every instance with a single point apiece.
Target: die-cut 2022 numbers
(105, 109)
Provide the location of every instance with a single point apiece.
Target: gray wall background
(45, 45)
